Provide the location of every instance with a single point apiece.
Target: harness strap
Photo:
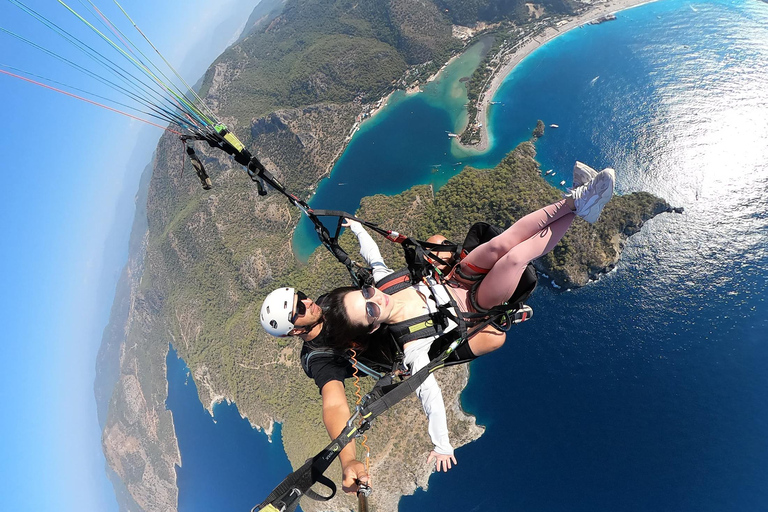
(395, 282)
(416, 328)
(359, 274)
(285, 497)
(445, 311)
(524, 290)
(473, 298)
(223, 139)
(323, 480)
(467, 277)
(475, 268)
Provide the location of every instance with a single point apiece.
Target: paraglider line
(161, 117)
(88, 101)
(164, 60)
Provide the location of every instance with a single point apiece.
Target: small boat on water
(453, 135)
(554, 126)
(562, 183)
(551, 171)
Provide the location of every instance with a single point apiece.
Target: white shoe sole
(582, 173)
(600, 191)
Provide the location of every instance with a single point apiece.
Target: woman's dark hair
(342, 333)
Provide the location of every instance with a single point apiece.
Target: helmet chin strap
(306, 329)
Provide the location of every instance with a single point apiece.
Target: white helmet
(276, 312)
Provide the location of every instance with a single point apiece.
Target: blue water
(405, 145)
(645, 391)
(225, 463)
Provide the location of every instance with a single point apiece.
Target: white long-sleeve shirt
(416, 353)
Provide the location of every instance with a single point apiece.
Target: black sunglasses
(301, 308)
(371, 308)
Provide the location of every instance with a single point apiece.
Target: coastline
(514, 58)
(384, 101)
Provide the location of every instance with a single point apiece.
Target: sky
(69, 173)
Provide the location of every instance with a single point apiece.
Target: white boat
(452, 135)
(548, 172)
(554, 126)
(562, 183)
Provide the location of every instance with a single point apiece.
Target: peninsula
(505, 56)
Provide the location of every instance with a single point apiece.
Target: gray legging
(504, 258)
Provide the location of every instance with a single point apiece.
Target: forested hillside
(467, 12)
(327, 51)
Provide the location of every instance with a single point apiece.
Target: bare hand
(353, 474)
(348, 223)
(442, 462)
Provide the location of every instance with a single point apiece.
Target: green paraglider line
(172, 118)
(138, 92)
(181, 98)
(164, 60)
(128, 44)
(90, 52)
(141, 66)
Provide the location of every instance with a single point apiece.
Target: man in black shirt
(289, 312)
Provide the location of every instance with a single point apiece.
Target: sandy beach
(514, 58)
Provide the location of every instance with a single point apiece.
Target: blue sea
(225, 463)
(644, 391)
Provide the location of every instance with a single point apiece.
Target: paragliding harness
(420, 268)
(433, 324)
(384, 354)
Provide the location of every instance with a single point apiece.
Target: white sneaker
(582, 173)
(591, 197)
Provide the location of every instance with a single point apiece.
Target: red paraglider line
(88, 101)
